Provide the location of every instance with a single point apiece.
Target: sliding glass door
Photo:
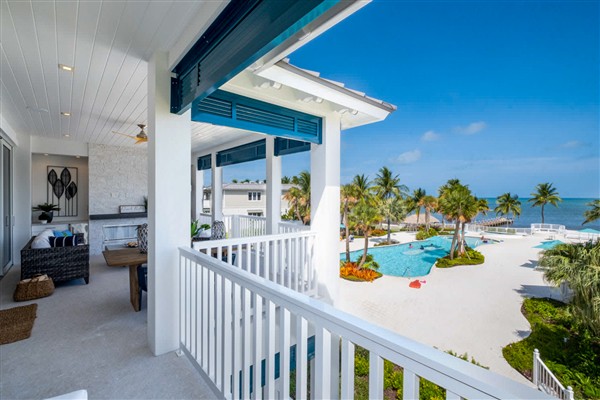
(6, 186)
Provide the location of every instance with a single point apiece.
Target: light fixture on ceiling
(65, 114)
(309, 98)
(267, 84)
(77, 156)
(67, 68)
(66, 135)
(45, 154)
(304, 35)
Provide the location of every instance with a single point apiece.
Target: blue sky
(502, 95)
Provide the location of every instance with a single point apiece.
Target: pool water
(548, 245)
(402, 260)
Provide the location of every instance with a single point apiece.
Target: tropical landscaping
(567, 335)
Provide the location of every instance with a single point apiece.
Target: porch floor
(89, 337)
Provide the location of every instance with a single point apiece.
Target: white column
(197, 190)
(169, 148)
(217, 189)
(325, 207)
(273, 188)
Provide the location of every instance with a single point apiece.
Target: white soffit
(108, 43)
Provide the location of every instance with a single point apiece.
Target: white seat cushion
(42, 241)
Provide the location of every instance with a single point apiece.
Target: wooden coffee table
(131, 258)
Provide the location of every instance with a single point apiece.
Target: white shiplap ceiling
(107, 42)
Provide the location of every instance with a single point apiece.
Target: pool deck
(472, 309)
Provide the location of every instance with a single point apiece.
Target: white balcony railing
(239, 226)
(239, 330)
(287, 259)
(545, 380)
(289, 226)
(554, 228)
(505, 230)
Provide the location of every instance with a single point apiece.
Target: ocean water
(569, 213)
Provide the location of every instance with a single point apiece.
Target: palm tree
(593, 213)
(286, 180)
(348, 198)
(429, 203)
(578, 265)
(458, 204)
(387, 187)
(507, 204)
(298, 197)
(364, 215)
(544, 194)
(452, 204)
(415, 201)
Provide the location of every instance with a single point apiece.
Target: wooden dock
(498, 221)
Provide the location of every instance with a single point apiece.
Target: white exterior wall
(235, 202)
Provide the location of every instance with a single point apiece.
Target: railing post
(411, 385)
(235, 226)
(569, 393)
(535, 372)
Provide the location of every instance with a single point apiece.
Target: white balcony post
(169, 148)
(217, 189)
(197, 190)
(273, 188)
(325, 207)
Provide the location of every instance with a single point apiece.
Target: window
(206, 195)
(253, 196)
(255, 213)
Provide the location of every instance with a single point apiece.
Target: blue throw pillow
(63, 241)
(63, 233)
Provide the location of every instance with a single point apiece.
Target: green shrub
(423, 234)
(471, 257)
(572, 355)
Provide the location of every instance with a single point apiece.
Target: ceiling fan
(139, 138)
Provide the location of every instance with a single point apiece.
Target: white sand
(472, 309)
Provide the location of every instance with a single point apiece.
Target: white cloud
(572, 144)
(472, 128)
(409, 157)
(430, 136)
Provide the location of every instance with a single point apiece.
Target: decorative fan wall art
(62, 190)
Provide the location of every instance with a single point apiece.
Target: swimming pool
(548, 245)
(407, 261)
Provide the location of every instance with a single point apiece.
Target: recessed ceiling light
(66, 135)
(77, 156)
(66, 114)
(67, 68)
(45, 154)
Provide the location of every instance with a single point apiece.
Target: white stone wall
(118, 176)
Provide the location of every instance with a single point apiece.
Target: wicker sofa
(60, 263)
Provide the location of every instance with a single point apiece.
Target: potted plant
(47, 211)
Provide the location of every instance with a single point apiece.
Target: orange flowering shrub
(351, 272)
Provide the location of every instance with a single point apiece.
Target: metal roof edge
(330, 84)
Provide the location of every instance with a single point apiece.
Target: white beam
(169, 148)
(197, 190)
(217, 189)
(325, 206)
(273, 187)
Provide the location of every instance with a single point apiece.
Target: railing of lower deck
(287, 259)
(505, 230)
(560, 229)
(239, 331)
(545, 380)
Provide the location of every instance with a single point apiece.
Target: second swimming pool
(411, 261)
